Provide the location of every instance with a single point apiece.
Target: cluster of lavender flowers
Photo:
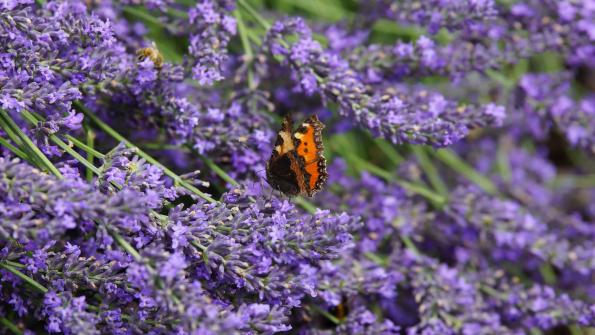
(134, 136)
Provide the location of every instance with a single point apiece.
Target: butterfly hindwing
(309, 147)
(284, 174)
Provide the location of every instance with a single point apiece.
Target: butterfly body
(297, 165)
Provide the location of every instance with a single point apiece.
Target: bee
(153, 54)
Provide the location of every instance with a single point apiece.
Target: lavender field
(438, 178)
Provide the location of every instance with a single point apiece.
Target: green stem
(165, 146)
(16, 139)
(430, 170)
(247, 47)
(126, 246)
(389, 151)
(141, 13)
(243, 35)
(377, 259)
(324, 10)
(307, 205)
(492, 292)
(15, 264)
(10, 326)
(453, 161)
(4, 142)
(584, 181)
(24, 277)
(261, 20)
(89, 148)
(11, 134)
(177, 13)
(29, 117)
(437, 199)
(219, 171)
(110, 131)
(575, 330)
(326, 314)
(29, 144)
(410, 245)
(547, 273)
(502, 163)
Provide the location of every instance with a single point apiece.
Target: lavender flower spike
(397, 114)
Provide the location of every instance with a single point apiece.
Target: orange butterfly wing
(309, 147)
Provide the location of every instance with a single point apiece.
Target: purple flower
(263, 245)
(492, 236)
(547, 102)
(30, 198)
(211, 31)
(391, 114)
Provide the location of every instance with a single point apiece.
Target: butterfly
(297, 165)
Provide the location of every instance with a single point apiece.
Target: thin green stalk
(29, 117)
(437, 199)
(254, 37)
(5, 143)
(73, 153)
(502, 163)
(389, 151)
(90, 138)
(326, 314)
(141, 13)
(164, 146)
(492, 292)
(429, 168)
(247, 47)
(110, 131)
(262, 21)
(453, 161)
(10, 326)
(547, 273)
(382, 261)
(584, 181)
(410, 245)
(17, 140)
(29, 144)
(11, 134)
(575, 330)
(242, 29)
(15, 264)
(219, 171)
(307, 205)
(24, 277)
(325, 10)
(89, 148)
(125, 245)
(177, 13)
